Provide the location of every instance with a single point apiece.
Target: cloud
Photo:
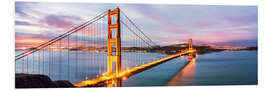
(248, 43)
(19, 9)
(29, 15)
(165, 24)
(60, 21)
(90, 32)
(22, 23)
(28, 40)
(239, 21)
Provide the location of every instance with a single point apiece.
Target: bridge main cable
(135, 33)
(138, 28)
(73, 30)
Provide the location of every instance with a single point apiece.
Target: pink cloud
(202, 23)
(60, 21)
(221, 36)
(90, 32)
(29, 42)
(239, 21)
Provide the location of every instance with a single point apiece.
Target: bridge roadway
(127, 73)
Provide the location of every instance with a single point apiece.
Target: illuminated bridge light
(112, 65)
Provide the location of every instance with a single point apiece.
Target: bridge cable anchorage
(73, 30)
(138, 28)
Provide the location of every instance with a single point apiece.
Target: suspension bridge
(98, 52)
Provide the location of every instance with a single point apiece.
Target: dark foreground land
(39, 81)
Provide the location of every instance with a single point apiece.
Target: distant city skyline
(37, 22)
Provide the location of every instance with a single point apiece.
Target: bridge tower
(114, 46)
(190, 55)
(114, 42)
(190, 44)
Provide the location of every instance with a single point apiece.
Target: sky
(37, 22)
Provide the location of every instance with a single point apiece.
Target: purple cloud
(239, 43)
(22, 23)
(21, 7)
(168, 23)
(240, 20)
(60, 21)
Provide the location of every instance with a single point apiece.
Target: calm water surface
(221, 68)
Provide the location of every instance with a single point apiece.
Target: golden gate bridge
(101, 45)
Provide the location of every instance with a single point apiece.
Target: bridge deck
(130, 72)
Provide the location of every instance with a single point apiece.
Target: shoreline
(169, 50)
(39, 81)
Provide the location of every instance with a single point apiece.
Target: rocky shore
(39, 81)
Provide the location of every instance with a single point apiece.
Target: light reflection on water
(90, 64)
(185, 75)
(222, 68)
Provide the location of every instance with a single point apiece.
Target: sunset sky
(166, 24)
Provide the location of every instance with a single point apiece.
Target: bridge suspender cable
(73, 30)
(135, 33)
(86, 49)
(138, 28)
